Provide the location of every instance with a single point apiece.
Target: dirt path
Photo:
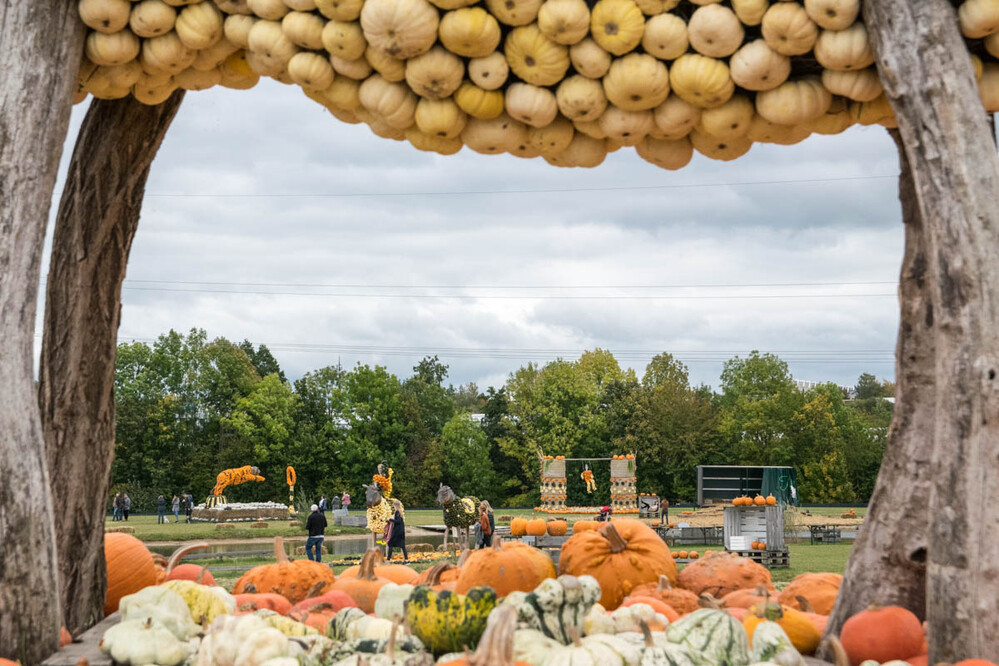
(410, 532)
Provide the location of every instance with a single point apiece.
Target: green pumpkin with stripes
(713, 635)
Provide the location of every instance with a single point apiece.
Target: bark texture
(888, 562)
(41, 45)
(928, 78)
(95, 225)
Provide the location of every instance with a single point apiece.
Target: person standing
(322, 505)
(397, 535)
(189, 506)
(126, 505)
(176, 509)
(160, 510)
(116, 507)
(336, 503)
(487, 524)
(345, 501)
(316, 525)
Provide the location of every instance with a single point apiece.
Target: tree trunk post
(97, 219)
(42, 41)
(888, 562)
(927, 75)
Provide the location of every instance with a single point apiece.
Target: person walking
(487, 524)
(322, 505)
(160, 510)
(189, 506)
(336, 503)
(116, 507)
(345, 501)
(126, 505)
(396, 526)
(316, 525)
(176, 509)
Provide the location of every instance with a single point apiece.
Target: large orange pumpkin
(746, 598)
(363, 587)
(506, 567)
(820, 589)
(252, 602)
(683, 601)
(622, 555)
(584, 526)
(537, 527)
(882, 633)
(130, 568)
(719, 573)
(293, 579)
(400, 574)
(518, 527)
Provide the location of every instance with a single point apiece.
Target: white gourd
(141, 642)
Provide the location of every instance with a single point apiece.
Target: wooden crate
(771, 559)
(756, 523)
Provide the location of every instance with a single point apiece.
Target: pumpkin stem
(390, 648)
(706, 600)
(664, 584)
(279, 553)
(436, 571)
(159, 559)
(496, 645)
(367, 568)
(179, 554)
(250, 588)
(574, 635)
(465, 555)
(646, 634)
(316, 590)
(201, 576)
(497, 543)
(617, 542)
(762, 591)
(840, 657)
(804, 604)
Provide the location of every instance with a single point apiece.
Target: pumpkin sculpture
(294, 580)
(506, 567)
(720, 573)
(621, 555)
(683, 601)
(820, 589)
(365, 585)
(130, 568)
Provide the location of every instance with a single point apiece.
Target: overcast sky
(609, 256)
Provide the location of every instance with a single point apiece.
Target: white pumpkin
(530, 105)
(432, 144)
(552, 138)
(788, 30)
(580, 98)
(489, 72)
(636, 82)
(153, 95)
(762, 130)
(669, 154)
(626, 127)
(534, 57)
(215, 55)
(343, 39)
(988, 87)
(700, 80)
(268, 41)
(730, 120)
(470, 32)
(105, 16)
(833, 14)
(862, 85)
(750, 12)
(392, 598)
(589, 59)
(150, 18)
(757, 67)
(400, 28)
(564, 21)
(656, 7)
(144, 642)
(391, 68)
(435, 74)
(393, 102)
(794, 102)
(305, 29)
(270, 10)
(358, 69)
(310, 70)
(720, 149)
(199, 26)
(514, 12)
(675, 118)
(493, 136)
(112, 49)
(122, 76)
(441, 118)
(587, 152)
(340, 10)
(198, 79)
(715, 31)
(237, 29)
(597, 650)
(844, 49)
(979, 18)
(665, 36)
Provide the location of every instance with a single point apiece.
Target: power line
(633, 188)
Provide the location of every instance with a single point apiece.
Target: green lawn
(147, 529)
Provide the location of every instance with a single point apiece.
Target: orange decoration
(557, 527)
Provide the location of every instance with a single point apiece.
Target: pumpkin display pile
(567, 80)
(616, 600)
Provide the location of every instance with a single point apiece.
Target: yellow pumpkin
(844, 49)
(490, 137)
(479, 103)
(400, 28)
(788, 30)
(583, 151)
(434, 144)
(199, 26)
(530, 105)
(750, 12)
(214, 55)
(700, 80)
(833, 14)
(979, 18)
(395, 103)
(340, 10)
(666, 153)
(112, 49)
(514, 12)
(626, 127)
(310, 70)
(471, 32)
(665, 36)
(861, 85)
(730, 120)
(236, 72)
(490, 72)
(551, 140)
(637, 82)
(359, 69)
(802, 632)
(122, 76)
(675, 118)
(342, 39)
(534, 57)
(435, 74)
(589, 59)
(764, 131)
(715, 31)
(270, 10)
(343, 93)
(237, 29)
(794, 102)
(150, 18)
(992, 46)
(197, 79)
(440, 118)
(656, 7)
(617, 25)
(757, 67)
(836, 120)
(564, 21)
(720, 149)
(107, 16)
(153, 94)
(391, 68)
(268, 41)
(580, 98)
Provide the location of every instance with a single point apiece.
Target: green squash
(558, 606)
(657, 651)
(449, 622)
(771, 643)
(714, 635)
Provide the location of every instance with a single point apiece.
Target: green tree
(868, 386)
(466, 465)
(263, 360)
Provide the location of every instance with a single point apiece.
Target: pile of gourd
(567, 80)
(619, 601)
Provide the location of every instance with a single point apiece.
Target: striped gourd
(446, 621)
(771, 643)
(558, 606)
(657, 651)
(714, 635)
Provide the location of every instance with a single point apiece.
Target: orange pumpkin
(745, 598)
(252, 602)
(771, 500)
(557, 527)
(584, 526)
(803, 634)
(441, 576)
(400, 574)
(8, 662)
(318, 611)
(518, 527)
(820, 589)
(683, 601)
(882, 633)
(974, 662)
(760, 500)
(496, 645)
(621, 555)
(675, 554)
(683, 554)
(505, 567)
(537, 527)
(293, 579)
(658, 606)
(130, 568)
(719, 573)
(694, 555)
(363, 587)
(191, 572)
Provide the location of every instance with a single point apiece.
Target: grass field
(147, 529)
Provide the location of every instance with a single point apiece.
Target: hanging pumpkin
(236, 28)
(589, 58)
(343, 39)
(701, 81)
(553, 138)
(674, 119)
(665, 36)
(788, 30)
(199, 26)
(107, 16)
(112, 49)
(440, 118)
(514, 12)
(794, 103)
(843, 50)
(506, 567)
(532, 106)
(720, 149)
(534, 57)
(395, 103)
(390, 68)
(731, 120)
(581, 98)
(270, 10)
(833, 14)
(150, 18)
(617, 25)
(750, 12)
(471, 32)
(294, 580)
(340, 10)
(489, 72)
(130, 568)
(482, 105)
(978, 18)
(583, 151)
(715, 31)
(564, 21)
(636, 82)
(311, 71)
(435, 74)
(621, 555)
(400, 28)
(882, 633)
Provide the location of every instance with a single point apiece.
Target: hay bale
(258, 524)
(504, 519)
(225, 526)
(421, 548)
(121, 530)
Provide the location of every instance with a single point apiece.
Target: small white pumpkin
(730, 120)
(489, 72)
(979, 18)
(675, 118)
(305, 29)
(391, 68)
(637, 82)
(142, 642)
(750, 12)
(270, 10)
(435, 74)
(862, 85)
(833, 14)
(400, 28)
(553, 138)
(589, 59)
(580, 98)
(530, 105)
(665, 36)
(757, 67)
(788, 30)
(310, 70)
(393, 102)
(669, 154)
(626, 127)
(587, 152)
(470, 32)
(715, 31)
(844, 49)
(112, 49)
(107, 16)
(199, 26)
(237, 29)
(794, 102)
(392, 598)
(514, 12)
(564, 21)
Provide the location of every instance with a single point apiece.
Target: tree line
(189, 407)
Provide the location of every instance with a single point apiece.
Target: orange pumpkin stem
(436, 571)
(279, 553)
(617, 543)
(804, 604)
(179, 554)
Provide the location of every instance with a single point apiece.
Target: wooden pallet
(771, 559)
(84, 647)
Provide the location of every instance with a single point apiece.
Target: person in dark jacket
(160, 509)
(176, 509)
(397, 539)
(189, 506)
(126, 505)
(316, 525)
(487, 524)
(116, 505)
